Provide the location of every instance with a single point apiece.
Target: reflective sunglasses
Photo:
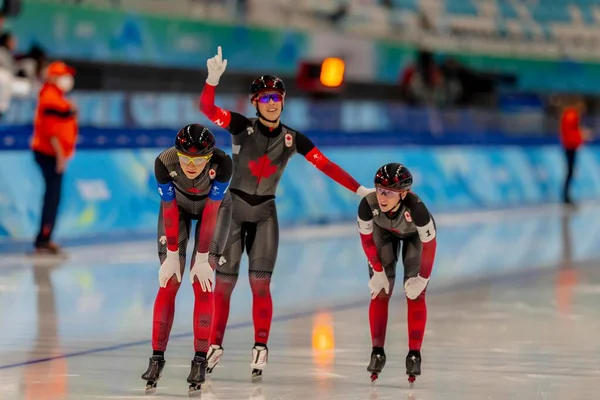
(199, 160)
(389, 192)
(264, 98)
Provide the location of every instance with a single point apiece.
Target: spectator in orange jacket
(572, 136)
(54, 139)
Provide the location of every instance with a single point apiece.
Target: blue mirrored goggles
(266, 97)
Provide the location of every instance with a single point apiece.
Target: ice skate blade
(256, 375)
(195, 390)
(374, 377)
(150, 388)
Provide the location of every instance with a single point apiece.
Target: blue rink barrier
(18, 138)
(112, 192)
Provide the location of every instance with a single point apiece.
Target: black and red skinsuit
(260, 155)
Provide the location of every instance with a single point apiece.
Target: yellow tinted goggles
(199, 160)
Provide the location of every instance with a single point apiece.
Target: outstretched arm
(213, 202)
(166, 189)
(306, 147)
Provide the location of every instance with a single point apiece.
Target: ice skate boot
(197, 376)
(376, 365)
(260, 356)
(413, 366)
(214, 356)
(153, 373)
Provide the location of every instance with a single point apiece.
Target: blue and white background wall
(462, 161)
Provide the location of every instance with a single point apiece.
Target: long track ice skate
(153, 373)
(215, 352)
(260, 357)
(376, 365)
(413, 366)
(197, 376)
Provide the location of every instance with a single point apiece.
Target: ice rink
(514, 313)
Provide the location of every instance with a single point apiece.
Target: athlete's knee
(200, 294)
(382, 295)
(260, 283)
(172, 287)
(225, 283)
(419, 299)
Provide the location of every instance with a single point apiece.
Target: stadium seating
(546, 28)
(534, 20)
(540, 20)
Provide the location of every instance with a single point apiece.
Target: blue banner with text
(107, 192)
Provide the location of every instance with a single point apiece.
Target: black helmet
(394, 176)
(195, 140)
(265, 83)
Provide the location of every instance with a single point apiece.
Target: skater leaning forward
(193, 177)
(394, 223)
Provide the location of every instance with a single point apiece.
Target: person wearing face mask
(54, 137)
(261, 149)
(393, 222)
(193, 178)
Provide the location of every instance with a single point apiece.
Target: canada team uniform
(205, 199)
(261, 149)
(406, 232)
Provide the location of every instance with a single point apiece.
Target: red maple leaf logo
(262, 167)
